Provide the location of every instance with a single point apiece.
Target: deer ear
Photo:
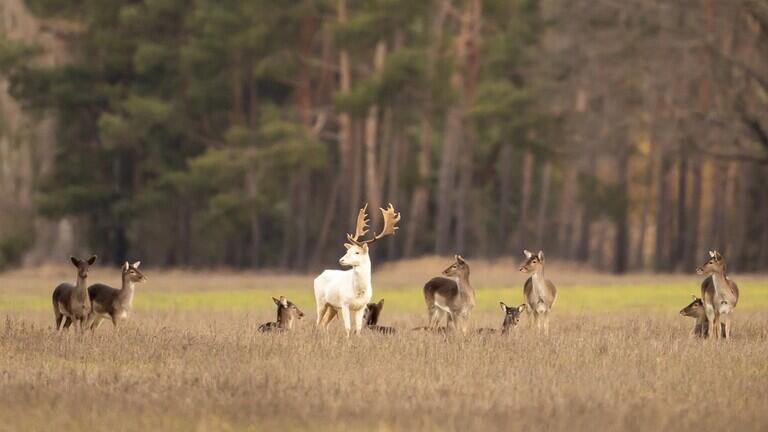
(460, 259)
(541, 255)
(521, 308)
(92, 260)
(503, 307)
(712, 254)
(365, 247)
(718, 255)
(527, 253)
(126, 266)
(693, 296)
(283, 301)
(277, 301)
(381, 303)
(75, 261)
(136, 264)
(347, 245)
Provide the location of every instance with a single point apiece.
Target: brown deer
(71, 301)
(371, 318)
(696, 311)
(451, 297)
(719, 294)
(511, 318)
(113, 303)
(539, 293)
(287, 314)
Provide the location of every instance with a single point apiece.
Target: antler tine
(360, 228)
(391, 218)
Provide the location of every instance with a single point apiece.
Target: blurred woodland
(630, 135)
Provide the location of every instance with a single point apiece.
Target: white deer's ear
(541, 255)
(136, 264)
(503, 307)
(347, 245)
(527, 253)
(365, 247)
(126, 266)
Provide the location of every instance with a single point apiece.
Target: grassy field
(619, 357)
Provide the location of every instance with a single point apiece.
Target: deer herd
(449, 298)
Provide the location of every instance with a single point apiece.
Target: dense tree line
(247, 133)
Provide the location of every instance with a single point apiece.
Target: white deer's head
(357, 249)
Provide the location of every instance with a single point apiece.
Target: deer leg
(321, 313)
(357, 318)
(345, 315)
(545, 318)
(59, 318)
(67, 323)
(710, 312)
(96, 323)
(330, 314)
(716, 326)
(434, 317)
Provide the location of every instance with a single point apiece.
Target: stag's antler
(391, 218)
(361, 228)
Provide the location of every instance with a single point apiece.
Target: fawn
(511, 318)
(696, 311)
(287, 313)
(371, 318)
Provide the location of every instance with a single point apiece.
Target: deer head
(357, 249)
(372, 312)
(695, 309)
(131, 272)
(715, 264)
(458, 268)
(533, 263)
(511, 315)
(83, 265)
(287, 312)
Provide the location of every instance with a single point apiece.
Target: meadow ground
(618, 357)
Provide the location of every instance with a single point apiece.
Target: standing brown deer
(539, 293)
(719, 294)
(113, 303)
(451, 297)
(72, 301)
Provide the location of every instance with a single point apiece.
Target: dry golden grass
(191, 366)
(212, 371)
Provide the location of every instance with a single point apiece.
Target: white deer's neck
(361, 277)
(539, 283)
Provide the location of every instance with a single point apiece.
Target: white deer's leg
(320, 313)
(357, 318)
(345, 315)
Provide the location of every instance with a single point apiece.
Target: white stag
(349, 291)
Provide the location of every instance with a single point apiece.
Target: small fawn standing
(371, 318)
(287, 313)
(696, 311)
(451, 296)
(511, 318)
(72, 301)
(539, 293)
(113, 303)
(719, 294)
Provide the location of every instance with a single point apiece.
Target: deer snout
(699, 271)
(521, 269)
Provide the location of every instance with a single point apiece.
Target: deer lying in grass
(71, 301)
(511, 318)
(113, 303)
(451, 297)
(371, 318)
(696, 311)
(719, 294)
(349, 291)
(287, 314)
(539, 293)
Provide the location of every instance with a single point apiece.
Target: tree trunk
(452, 139)
(541, 218)
(373, 190)
(345, 126)
(566, 219)
(676, 260)
(639, 261)
(521, 236)
(505, 199)
(621, 256)
(660, 259)
(694, 217)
